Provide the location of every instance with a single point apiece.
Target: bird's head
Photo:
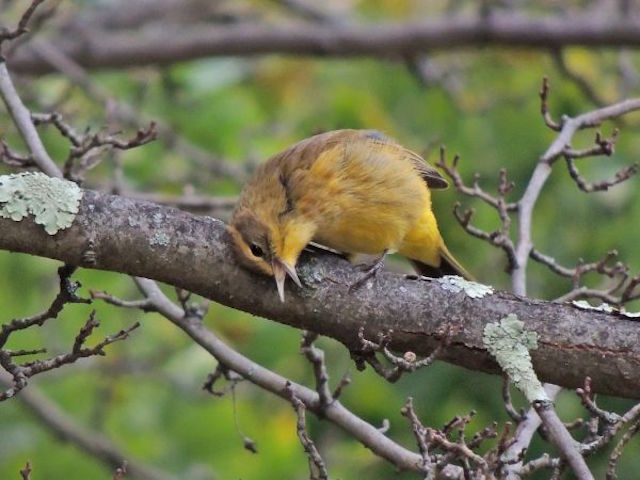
(269, 247)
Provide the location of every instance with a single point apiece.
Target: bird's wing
(427, 171)
(302, 155)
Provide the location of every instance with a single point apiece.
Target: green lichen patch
(509, 342)
(53, 202)
(159, 238)
(455, 284)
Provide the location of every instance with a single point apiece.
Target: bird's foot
(370, 271)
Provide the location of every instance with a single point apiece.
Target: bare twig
(316, 357)
(430, 440)
(620, 292)
(22, 119)
(581, 82)
(629, 292)
(498, 238)
(476, 191)
(532, 466)
(618, 449)
(25, 473)
(84, 154)
(602, 146)
(317, 467)
(566, 130)
(21, 373)
(405, 364)
(66, 294)
(562, 439)
(419, 433)
(127, 114)
(21, 28)
(526, 429)
(544, 106)
(588, 401)
(220, 372)
(15, 107)
(13, 159)
(506, 398)
(620, 176)
(581, 269)
(344, 382)
(143, 304)
(22, 352)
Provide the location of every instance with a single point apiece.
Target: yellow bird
(355, 191)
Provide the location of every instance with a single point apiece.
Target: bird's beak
(280, 271)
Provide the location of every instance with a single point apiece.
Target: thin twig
(580, 81)
(566, 130)
(21, 28)
(405, 364)
(317, 467)
(25, 472)
(506, 399)
(316, 357)
(544, 106)
(619, 448)
(476, 191)
(127, 114)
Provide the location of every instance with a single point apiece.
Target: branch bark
(194, 253)
(94, 48)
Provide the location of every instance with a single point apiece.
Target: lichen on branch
(52, 202)
(509, 342)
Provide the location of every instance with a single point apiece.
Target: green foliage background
(146, 393)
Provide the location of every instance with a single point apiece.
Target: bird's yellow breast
(362, 201)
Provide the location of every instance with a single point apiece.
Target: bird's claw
(370, 271)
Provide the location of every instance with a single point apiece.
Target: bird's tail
(448, 266)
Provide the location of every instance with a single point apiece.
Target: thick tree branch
(148, 240)
(173, 43)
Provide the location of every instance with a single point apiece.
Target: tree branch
(22, 118)
(566, 130)
(270, 381)
(156, 242)
(125, 113)
(106, 49)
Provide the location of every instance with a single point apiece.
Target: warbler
(355, 191)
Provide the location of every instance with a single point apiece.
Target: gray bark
(99, 48)
(194, 253)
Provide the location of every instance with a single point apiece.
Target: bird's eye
(256, 250)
